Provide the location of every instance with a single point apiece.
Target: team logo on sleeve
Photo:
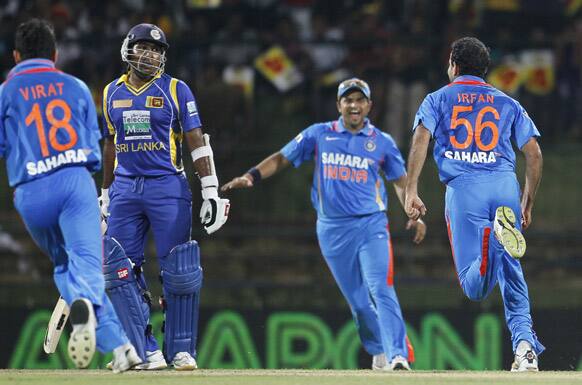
(370, 145)
(191, 107)
(154, 102)
(136, 125)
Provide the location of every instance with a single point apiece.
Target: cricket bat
(56, 326)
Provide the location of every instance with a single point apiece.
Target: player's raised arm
(265, 169)
(533, 176)
(414, 206)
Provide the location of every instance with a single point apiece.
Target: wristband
(256, 174)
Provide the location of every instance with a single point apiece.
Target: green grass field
(284, 377)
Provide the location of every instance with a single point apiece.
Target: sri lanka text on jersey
(344, 167)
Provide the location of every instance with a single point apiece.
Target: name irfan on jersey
(47, 164)
(472, 157)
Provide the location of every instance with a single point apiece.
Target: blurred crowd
(399, 46)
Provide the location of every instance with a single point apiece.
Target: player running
(350, 198)
(49, 136)
(147, 116)
(473, 126)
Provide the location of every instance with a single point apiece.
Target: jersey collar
(31, 64)
(136, 91)
(469, 80)
(366, 130)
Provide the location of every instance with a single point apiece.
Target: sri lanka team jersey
(473, 125)
(148, 124)
(47, 121)
(347, 180)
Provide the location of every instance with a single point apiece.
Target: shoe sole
(151, 366)
(81, 347)
(507, 234)
(186, 367)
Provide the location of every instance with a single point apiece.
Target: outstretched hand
(238, 182)
(420, 229)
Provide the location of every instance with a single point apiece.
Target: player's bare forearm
(266, 168)
(108, 161)
(417, 157)
(533, 174)
(193, 141)
(413, 205)
(400, 188)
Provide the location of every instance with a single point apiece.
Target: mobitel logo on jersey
(136, 125)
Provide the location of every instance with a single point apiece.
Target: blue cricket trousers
(61, 214)
(358, 252)
(480, 260)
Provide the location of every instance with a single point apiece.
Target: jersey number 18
(56, 124)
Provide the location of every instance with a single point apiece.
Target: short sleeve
(91, 122)
(302, 147)
(393, 165)
(187, 107)
(523, 127)
(427, 114)
(108, 129)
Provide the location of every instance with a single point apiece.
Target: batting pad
(182, 280)
(125, 294)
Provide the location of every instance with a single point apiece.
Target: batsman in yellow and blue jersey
(351, 158)
(148, 114)
(49, 136)
(474, 127)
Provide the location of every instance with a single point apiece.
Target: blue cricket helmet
(147, 32)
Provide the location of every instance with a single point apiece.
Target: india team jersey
(473, 125)
(47, 121)
(347, 180)
(148, 124)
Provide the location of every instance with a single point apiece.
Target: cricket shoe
(124, 357)
(81, 346)
(184, 361)
(379, 362)
(399, 363)
(154, 361)
(525, 362)
(506, 232)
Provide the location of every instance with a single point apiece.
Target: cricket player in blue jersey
(350, 198)
(50, 138)
(147, 116)
(473, 126)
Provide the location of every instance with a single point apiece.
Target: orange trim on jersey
(410, 349)
(470, 83)
(485, 251)
(390, 275)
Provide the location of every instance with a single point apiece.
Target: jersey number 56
(480, 125)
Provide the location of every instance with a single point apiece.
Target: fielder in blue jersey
(349, 195)
(148, 114)
(474, 127)
(50, 138)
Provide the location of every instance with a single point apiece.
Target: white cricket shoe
(82, 340)
(506, 232)
(154, 361)
(399, 363)
(379, 361)
(525, 362)
(184, 361)
(124, 357)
